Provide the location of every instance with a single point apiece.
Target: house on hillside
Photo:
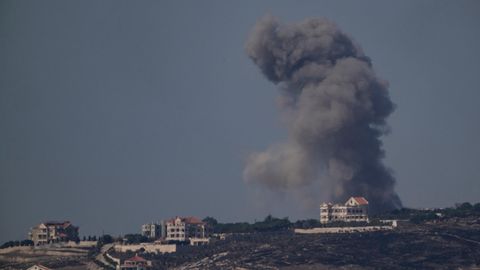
(53, 232)
(154, 230)
(135, 263)
(354, 209)
(183, 229)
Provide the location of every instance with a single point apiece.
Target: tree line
(269, 224)
(273, 224)
(417, 216)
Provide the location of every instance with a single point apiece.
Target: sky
(118, 113)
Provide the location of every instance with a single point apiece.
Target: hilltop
(424, 239)
(441, 245)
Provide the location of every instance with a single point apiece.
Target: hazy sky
(117, 113)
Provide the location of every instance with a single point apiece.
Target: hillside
(442, 245)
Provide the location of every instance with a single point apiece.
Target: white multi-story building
(355, 209)
(154, 230)
(184, 229)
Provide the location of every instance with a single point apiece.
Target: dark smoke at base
(335, 108)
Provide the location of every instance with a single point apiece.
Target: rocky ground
(445, 245)
(56, 258)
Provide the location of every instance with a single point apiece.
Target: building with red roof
(136, 263)
(53, 232)
(354, 209)
(358, 201)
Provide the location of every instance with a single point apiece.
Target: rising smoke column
(335, 108)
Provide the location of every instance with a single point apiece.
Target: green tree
(210, 221)
(465, 206)
(135, 238)
(307, 224)
(8, 244)
(26, 242)
(105, 239)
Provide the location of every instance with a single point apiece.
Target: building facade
(53, 232)
(354, 209)
(154, 230)
(184, 229)
(135, 263)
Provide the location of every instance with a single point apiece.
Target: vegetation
(89, 238)
(102, 240)
(105, 239)
(272, 224)
(17, 243)
(417, 216)
(136, 239)
(269, 224)
(307, 224)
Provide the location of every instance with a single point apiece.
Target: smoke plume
(335, 108)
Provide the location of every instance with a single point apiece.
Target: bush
(307, 224)
(422, 217)
(25, 242)
(104, 239)
(8, 244)
(135, 238)
(466, 206)
(212, 222)
(269, 224)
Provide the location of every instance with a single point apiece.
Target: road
(100, 257)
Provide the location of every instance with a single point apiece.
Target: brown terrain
(446, 244)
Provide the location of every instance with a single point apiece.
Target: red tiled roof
(136, 258)
(188, 220)
(360, 200)
(192, 220)
(57, 223)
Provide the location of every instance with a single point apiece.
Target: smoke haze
(335, 108)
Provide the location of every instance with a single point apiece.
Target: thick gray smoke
(335, 108)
